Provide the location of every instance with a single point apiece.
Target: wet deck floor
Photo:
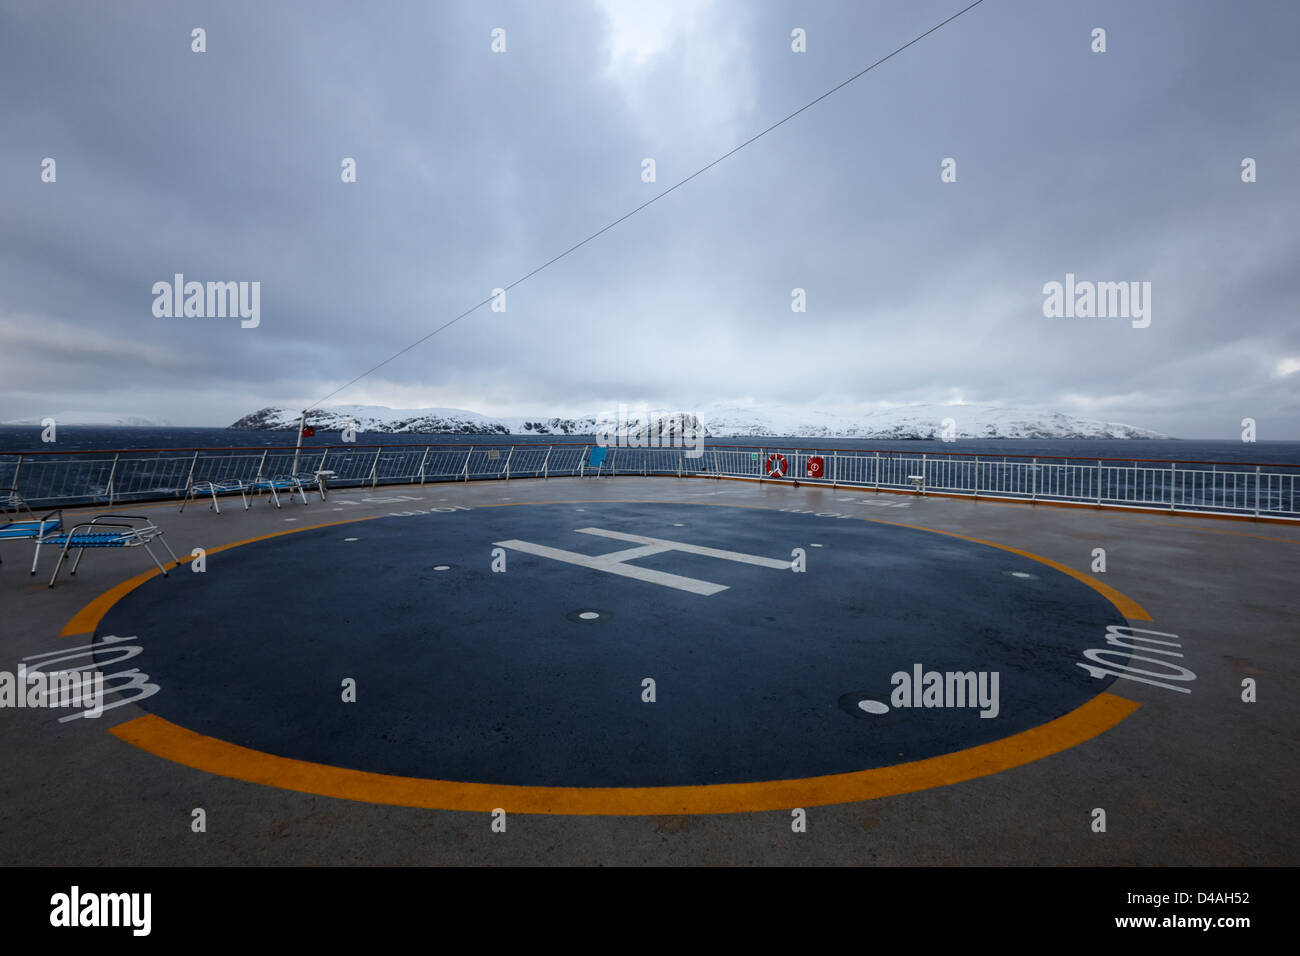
(464, 614)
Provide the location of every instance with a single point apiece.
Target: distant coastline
(915, 422)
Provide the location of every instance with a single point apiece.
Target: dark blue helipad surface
(469, 674)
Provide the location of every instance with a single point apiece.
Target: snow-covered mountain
(93, 418)
(378, 418)
(719, 421)
(920, 420)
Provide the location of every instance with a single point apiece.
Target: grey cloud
(475, 168)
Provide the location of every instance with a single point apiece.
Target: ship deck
(661, 670)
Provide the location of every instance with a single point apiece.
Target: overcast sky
(474, 167)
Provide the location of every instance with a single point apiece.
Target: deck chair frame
(126, 533)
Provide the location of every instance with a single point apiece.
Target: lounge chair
(278, 483)
(18, 523)
(105, 531)
(214, 488)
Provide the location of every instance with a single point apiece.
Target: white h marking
(614, 562)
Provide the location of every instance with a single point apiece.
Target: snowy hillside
(720, 421)
(93, 418)
(912, 421)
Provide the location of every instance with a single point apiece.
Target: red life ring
(775, 465)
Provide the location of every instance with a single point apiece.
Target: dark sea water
(74, 438)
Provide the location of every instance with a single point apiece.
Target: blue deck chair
(278, 483)
(106, 531)
(597, 459)
(214, 488)
(18, 523)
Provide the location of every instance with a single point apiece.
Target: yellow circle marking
(172, 742)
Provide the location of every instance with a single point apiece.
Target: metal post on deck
(189, 479)
(1173, 480)
(423, 459)
(509, 455)
(546, 461)
(111, 472)
(321, 467)
(18, 470)
(1257, 491)
(877, 472)
(582, 462)
(302, 423)
(1033, 481)
(1098, 482)
(977, 476)
(374, 467)
(467, 457)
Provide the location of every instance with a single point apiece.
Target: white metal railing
(51, 478)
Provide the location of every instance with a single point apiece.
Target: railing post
(1033, 481)
(877, 472)
(546, 461)
(977, 476)
(835, 469)
(111, 472)
(1098, 482)
(374, 467)
(189, 479)
(582, 463)
(1257, 491)
(716, 473)
(510, 454)
(261, 463)
(1173, 480)
(424, 458)
(467, 457)
(18, 470)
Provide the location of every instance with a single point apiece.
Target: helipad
(482, 675)
(649, 647)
